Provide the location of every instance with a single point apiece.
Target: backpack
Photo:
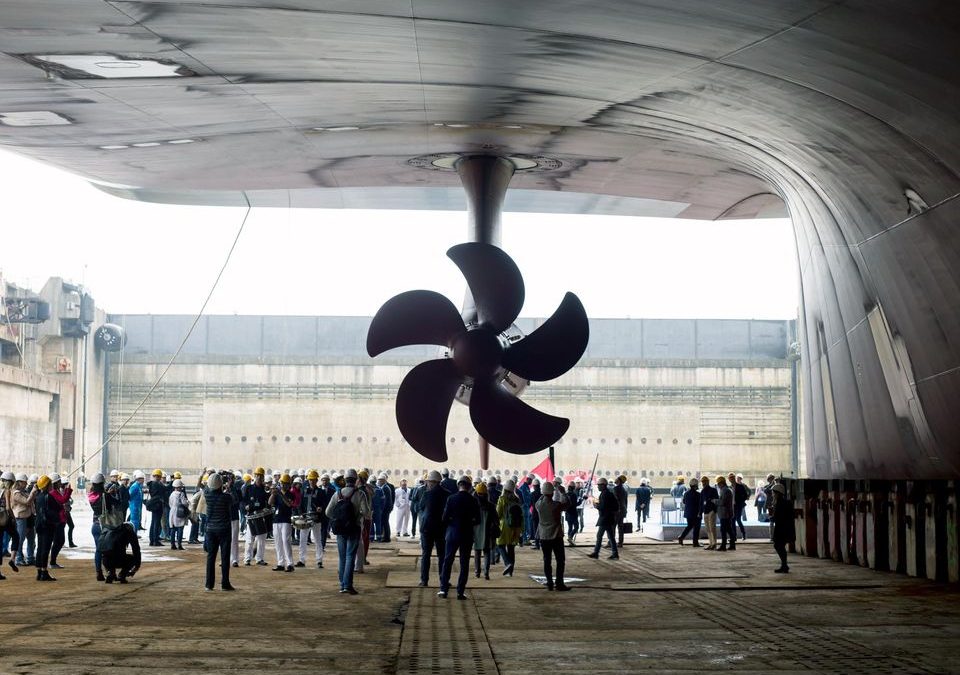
(343, 519)
(514, 515)
(42, 517)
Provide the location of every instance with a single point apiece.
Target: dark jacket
(643, 494)
(691, 504)
(449, 485)
(608, 509)
(784, 528)
(283, 502)
(622, 498)
(254, 497)
(432, 504)
(460, 514)
(709, 497)
(157, 492)
(219, 505)
(740, 494)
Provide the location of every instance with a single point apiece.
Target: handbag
(183, 511)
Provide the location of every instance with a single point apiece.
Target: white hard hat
(138, 474)
(351, 473)
(382, 476)
(178, 483)
(114, 473)
(214, 482)
(7, 475)
(54, 478)
(22, 477)
(326, 475)
(434, 476)
(297, 480)
(34, 477)
(97, 478)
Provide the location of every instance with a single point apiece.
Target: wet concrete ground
(660, 608)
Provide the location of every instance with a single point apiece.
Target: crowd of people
(464, 519)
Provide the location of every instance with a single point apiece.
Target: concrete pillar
(952, 551)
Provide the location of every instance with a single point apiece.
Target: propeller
(480, 358)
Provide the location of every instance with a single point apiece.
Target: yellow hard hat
(312, 474)
(43, 482)
(363, 474)
(285, 478)
(482, 489)
(247, 477)
(623, 477)
(259, 471)
(681, 479)
(157, 472)
(177, 474)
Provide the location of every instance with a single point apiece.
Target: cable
(182, 343)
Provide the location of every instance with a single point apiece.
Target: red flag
(543, 470)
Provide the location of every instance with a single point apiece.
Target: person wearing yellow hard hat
(485, 533)
(282, 499)
(46, 520)
(253, 501)
(155, 498)
(313, 505)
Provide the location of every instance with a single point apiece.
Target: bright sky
(147, 258)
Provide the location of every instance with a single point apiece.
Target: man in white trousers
(402, 505)
(282, 500)
(254, 498)
(313, 506)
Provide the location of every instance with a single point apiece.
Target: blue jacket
(136, 496)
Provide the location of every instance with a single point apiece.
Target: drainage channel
(443, 636)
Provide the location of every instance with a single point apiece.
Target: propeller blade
(510, 424)
(495, 282)
(414, 318)
(423, 405)
(553, 348)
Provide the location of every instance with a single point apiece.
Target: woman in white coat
(179, 514)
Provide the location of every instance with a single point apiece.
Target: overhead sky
(148, 258)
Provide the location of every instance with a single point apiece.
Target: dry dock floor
(660, 608)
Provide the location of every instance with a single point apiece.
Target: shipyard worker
(740, 496)
(136, 499)
(572, 512)
(725, 514)
(460, 515)
(485, 533)
(402, 504)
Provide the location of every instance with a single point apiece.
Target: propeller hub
(477, 352)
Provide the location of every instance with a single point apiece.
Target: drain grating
(443, 636)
